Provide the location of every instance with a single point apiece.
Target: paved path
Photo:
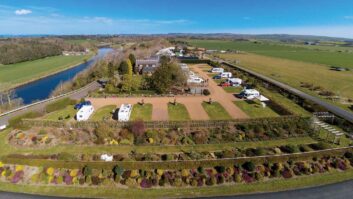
(342, 190)
(192, 103)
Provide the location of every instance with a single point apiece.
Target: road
(331, 108)
(342, 190)
(38, 107)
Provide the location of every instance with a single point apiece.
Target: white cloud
(23, 12)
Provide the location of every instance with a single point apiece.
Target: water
(41, 89)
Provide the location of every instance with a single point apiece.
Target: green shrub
(290, 148)
(60, 104)
(66, 156)
(16, 122)
(320, 146)
(249, 166)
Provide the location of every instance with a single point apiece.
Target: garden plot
(104, 113)
(254, 109)
(177, 112)
(141, 112)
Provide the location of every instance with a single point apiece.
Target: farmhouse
(123, 113)
(147, 65)
(84, 113)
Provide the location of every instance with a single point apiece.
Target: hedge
(185, 164)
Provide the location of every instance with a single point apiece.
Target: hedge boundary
(177, 164)
(160, 124)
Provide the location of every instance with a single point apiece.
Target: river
(42, 88)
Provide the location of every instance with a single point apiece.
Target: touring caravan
(235, 81)
(217, 70)
(84, 113)
(226, 75)
(250, 94)
(123, 113)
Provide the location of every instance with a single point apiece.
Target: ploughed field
(20, 73)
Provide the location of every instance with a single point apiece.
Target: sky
(303, 17)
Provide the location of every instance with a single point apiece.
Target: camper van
(217, 70)
(226, 75)
(250, 94)
(84, 113)
(123, 113)
(195, 80)
(235, 81)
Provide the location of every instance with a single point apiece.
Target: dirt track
(192, 103)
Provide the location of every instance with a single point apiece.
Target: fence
(159, 124)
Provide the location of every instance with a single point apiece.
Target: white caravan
(84, 113)
(195, 79)
(124, 112)
(226, 75)
(217, 70)
(250, 94)
(235, 81)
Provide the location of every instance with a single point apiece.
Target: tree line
(28, 49)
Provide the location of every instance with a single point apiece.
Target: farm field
(294, 72)
(21, 73)
(326, 57)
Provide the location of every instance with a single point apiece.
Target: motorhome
(195, 79)
(84, 113)
(123, 113)
(250, 94)
(226, 75)
(217, 70)
(235, 81)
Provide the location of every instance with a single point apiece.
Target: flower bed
(247, 172)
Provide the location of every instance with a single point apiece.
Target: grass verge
(216, 111)
(143, 112)
(103, 113)
(178, 112)
(255, 110)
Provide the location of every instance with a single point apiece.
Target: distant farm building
(148, 65)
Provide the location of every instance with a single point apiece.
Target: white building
(166, 52)
(124, 112)
(84, 113)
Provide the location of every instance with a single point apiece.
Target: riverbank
(17, 75)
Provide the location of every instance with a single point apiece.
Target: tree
(111, 69)
(129, 67)
(168, 75)
(123, 68)
(132, 59)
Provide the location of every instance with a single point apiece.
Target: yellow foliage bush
(73, 172)
(160, 172)
(50, 171)
(1, 164)
(185, 173)
(19, 167)
(134, 173)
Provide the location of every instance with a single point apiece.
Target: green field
(216, 111)
(20, 73)
(178, 112)
(255, 110)
(143, 112)
(297, 52)
(103, 113)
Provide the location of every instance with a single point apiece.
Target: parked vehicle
(235, 81)
(226, 75)
(196, 80)
(225, 84)
(80, 105)
(3, 127)
(249, 94)
(217, 70)
(84, 113)
(123, 113)
(217, 77)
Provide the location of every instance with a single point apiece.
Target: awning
(262, 98)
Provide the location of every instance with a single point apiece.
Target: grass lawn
(284, 101)
(233, 89)
(216, 111)
(178, 112)
(141, 112)
(255, 110)
(64, 113)
(103, 113)
(242, 188)
(20, 73)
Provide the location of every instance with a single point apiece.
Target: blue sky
(314, 17)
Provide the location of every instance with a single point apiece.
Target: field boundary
(158, 124)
